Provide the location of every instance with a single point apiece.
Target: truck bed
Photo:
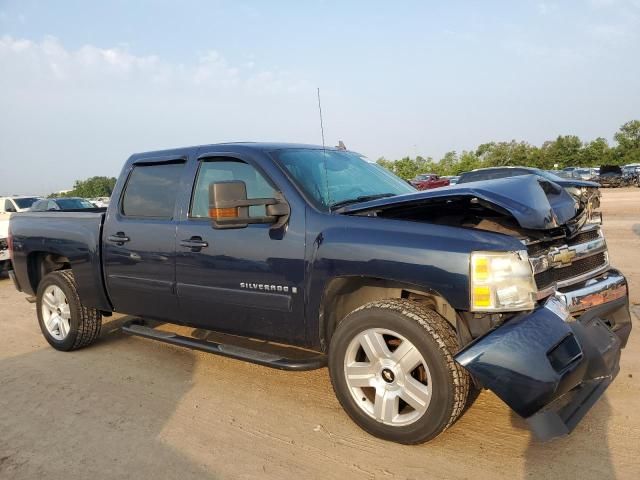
(75, 236)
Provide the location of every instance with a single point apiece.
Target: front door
(139, 242)
(247, 281)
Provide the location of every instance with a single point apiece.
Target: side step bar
(268, 355)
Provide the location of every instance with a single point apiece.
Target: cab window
(220, 170)
(151, 190)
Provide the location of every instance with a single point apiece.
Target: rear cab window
(151, 190)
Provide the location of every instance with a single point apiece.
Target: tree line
(90, 188)
(564, 151)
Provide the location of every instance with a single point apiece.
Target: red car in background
(425, 181)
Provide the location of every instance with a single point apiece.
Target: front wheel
(64, 321)
(392, 369)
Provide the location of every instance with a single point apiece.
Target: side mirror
(10, 210)
(229, 206)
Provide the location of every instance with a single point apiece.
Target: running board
(267, 354)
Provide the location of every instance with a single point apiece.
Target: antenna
(324, 151)
(321, 125)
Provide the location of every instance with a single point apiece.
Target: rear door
(139, 240)
(246, 281)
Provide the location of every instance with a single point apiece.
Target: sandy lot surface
(134, 408)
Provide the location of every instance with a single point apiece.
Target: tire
(406, 405)
(76, 326)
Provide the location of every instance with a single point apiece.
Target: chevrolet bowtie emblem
(564, 256)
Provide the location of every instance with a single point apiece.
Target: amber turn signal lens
(481, 296)
(219, 213)
(481, 268)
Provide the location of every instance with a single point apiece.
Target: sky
(85, 84)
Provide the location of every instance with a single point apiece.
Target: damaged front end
(549, 366)
(550, 359)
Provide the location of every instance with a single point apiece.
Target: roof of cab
(262, 146)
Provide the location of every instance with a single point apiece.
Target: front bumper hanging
(550, 366)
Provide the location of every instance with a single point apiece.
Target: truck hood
(535, 203)
(577, 183)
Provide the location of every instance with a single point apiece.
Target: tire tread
(90, 319)
(445, 337)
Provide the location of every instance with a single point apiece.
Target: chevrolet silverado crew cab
(298, 257)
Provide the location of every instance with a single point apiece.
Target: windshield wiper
(360, 199)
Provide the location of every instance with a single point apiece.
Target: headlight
(576, 191)
(501, 282)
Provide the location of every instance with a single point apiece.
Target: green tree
(628, 138)
(468, 161)
(596, 153)
(564, 151)
(448, 164)
(507, 154)
(91, 188)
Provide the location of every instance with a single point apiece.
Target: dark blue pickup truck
(298, 257)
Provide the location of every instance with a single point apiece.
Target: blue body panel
(151, 275)
(76, 236)
(222, 286)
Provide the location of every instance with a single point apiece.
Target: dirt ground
(133, 408)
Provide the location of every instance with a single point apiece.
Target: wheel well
(343, 295)
(39, 264)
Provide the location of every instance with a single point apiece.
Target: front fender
(431, 257)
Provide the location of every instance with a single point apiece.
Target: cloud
(545, 8)
(613, 33)
(90, 107)
(91, 66)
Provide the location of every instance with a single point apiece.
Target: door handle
(194, 243)
(118, 238)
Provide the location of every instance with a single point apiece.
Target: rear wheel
(392, 368)
(64, 321)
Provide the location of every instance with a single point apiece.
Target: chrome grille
(561, 261)
(537, 248)
(576, 269)
(587, 236)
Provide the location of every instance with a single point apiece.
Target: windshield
(25, 202)
(74, 204)
(329, 177)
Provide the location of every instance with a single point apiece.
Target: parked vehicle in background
(452, 179)
(16, 204)
(8, 206)
(426, 181)
(568, 171)
(409, 297)
(587, 193)
(67, 204)
(100, 202)
(582, 174)
(4, 244)
(612, 176)
(632, 171)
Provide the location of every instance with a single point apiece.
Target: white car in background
(9, 206)
(17, 203)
